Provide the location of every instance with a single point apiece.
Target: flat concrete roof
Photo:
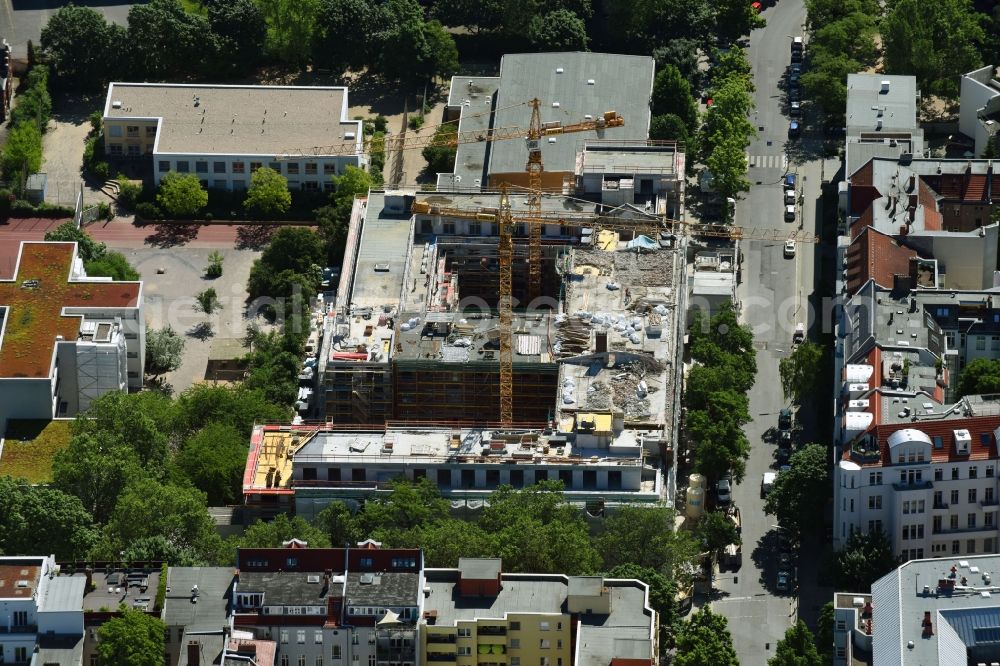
(475, 95)
(383, 255)
(237, 120)
(867, 103)
(622, 83)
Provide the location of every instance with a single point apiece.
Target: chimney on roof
(194, 653)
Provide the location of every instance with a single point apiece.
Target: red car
(757, 7)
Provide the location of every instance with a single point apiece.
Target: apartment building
(41, 613)
(331, 605)
(476, 614)
(881, 119)
(65, 338)
(933, 612)
(599, 462)
(223, 133)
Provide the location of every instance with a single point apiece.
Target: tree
(291, 25)
(912, 32)
(668, 127)
(168, 42)
(343, 34)
(980, 377)
(824, 632)
(113, 265)
(440, 153)
(80, 47)
(864, 559)
(236, 406)
(22, 155)
(799, 494)
(354, 182)
(214, 268)
(274, 366)
(825, 12)
(705, 639)
(720, 446)
(796, 648)
(208, 300)
(443, 62)
(336, 521)
(240, 30)
(293, 251)
(445, 541)
(34, 104)
(800, 371)
(164, 350)
(181, 193)
(409, 505)
(214, 459)
(148, 508)
(36, 519)
(735, 19)
(672, 95)
(645, 536)
(478, 15)
(728, 165)
(86, 248)
(642, 26)
(559, 30)
(268, 193)
(272, 534)
(717, 531)
(132, 638)
(160, 549)
(724, 342)
(95, 472)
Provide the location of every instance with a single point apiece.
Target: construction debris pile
(645, 269)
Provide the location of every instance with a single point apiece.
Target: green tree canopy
(291, 26)
(643, 26)
(447, 540)
(36, 519)
(440, 153)
(273, 533)
(799, 494)
(412, 48)
(980, 377)
(165, 41)
(735, 19)
(912, 33)
(96, 472)
(409, 505)
(705, 639)
(214, 459)
(559, 30)
(132, 638)
(241, 32)
(86, 247)
(800, 371)
(824, 632)
(293, 257)
(668, 127)
(337, 522)
(717, 531)
(645, 536)
(164, 350)
(81, 48)
(268, 193)
(344, 30)
(238, 407)
(181, 194)
(796, 648)
(672, 95)
(864, 559)
(148, 508)
(22, 155)
(113, 265)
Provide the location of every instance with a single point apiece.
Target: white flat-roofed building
(223, 133)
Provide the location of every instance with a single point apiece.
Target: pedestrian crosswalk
(767, 161)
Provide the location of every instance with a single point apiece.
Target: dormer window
(963, 442)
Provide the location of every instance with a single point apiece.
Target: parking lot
(21, 20)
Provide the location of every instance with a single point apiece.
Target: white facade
(980, 96)
(232, 172)
(35, 602)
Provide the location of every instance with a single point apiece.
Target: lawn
(30, 446)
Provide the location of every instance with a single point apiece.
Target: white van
(789, 197)
(766, 483)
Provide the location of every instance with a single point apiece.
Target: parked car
(783, 454)
(784, 581)
(795, 109)
(789, 197)
(785, 419)
(790, 212)
(794, 130)
(785, 439)
(724, 491)
(766, 483)
(789, 249)
(793, 78)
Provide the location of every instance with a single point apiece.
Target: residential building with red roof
(65, 338)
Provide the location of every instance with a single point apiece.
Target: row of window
(201, 166)
(972, 494)
(875, 478)
(241, 185)
(970, 521)
(989, 546)
(131, 131)
(476, 228)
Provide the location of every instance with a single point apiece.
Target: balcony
(940, 505)
(491, 630)
(989, 502)
(959, 530)
(441, 638)
(916, 485)
(440, 656)
(20, 629)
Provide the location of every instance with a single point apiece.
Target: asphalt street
(21, 20)
(774, 294)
